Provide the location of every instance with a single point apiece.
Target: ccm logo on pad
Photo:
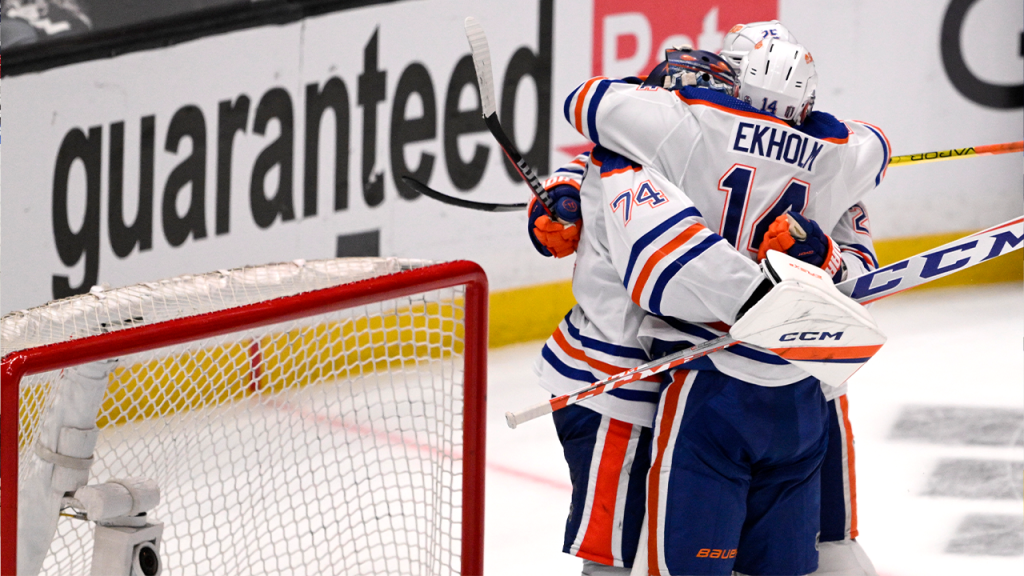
(810, 336)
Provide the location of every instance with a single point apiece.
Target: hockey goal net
(306, 418)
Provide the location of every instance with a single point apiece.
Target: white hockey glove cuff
(807, 321)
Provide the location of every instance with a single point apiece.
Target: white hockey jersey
(677, 233)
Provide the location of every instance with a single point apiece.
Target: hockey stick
(905, 274)
(485, 80)
(955, 153)
(440, 197)
(906, 160)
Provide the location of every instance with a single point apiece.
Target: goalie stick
(485, 80)
(892, 279)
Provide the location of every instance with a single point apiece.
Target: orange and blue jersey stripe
(581, 106)
(886, 149)
(862, 253)
(652, 235)
(819, 125)
(703, 332)
(595, 369)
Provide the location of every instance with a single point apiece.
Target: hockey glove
(804, 240)
(552, 238)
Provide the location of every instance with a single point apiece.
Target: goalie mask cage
(309, 418)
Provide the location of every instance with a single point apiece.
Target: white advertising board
(226, 150)
(197, 157)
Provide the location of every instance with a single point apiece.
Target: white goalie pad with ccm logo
(809, 322)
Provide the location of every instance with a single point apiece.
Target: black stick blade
(483, 206)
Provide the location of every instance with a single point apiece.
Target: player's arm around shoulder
(669, 261)
(625, 116)
(867, 156)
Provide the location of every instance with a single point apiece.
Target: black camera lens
(149, 561)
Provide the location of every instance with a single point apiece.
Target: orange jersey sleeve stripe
(580, 355)
(658, 256)
(578, 112)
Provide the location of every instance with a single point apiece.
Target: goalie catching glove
(552, 238)
(806, 320)
(804, 240)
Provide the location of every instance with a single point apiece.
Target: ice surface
(937, 416)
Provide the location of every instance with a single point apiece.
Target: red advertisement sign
(630, 36)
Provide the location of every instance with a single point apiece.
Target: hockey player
(606, 442)
(675, 266)
(855, 215)
(839, 553)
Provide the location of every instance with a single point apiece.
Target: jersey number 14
(738, 184)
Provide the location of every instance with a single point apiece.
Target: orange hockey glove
(560, 240)
(552, 238)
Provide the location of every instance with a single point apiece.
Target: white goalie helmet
(778, 77)
(741, 39)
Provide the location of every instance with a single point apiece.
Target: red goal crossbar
(143, 338)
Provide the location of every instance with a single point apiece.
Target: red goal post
(21, 363)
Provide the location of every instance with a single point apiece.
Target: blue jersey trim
(653, 235)
(654, 302)
(885, 153)
(720, 99)
(568, 104)
(595, 100)
(635, 395)
(585, 376)
(564, 369)
(611, 161)
(822, 125)
(578, 171)
(605, 347)
(819, 125)
(865, 250)
(861, 258)
(739, 349)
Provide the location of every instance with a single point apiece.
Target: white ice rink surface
(947, 348)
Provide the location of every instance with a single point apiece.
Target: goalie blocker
(805, 319)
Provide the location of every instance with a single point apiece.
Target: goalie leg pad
(807, 321)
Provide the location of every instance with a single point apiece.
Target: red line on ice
(392, 438)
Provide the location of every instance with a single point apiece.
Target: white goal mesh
(342, 442)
